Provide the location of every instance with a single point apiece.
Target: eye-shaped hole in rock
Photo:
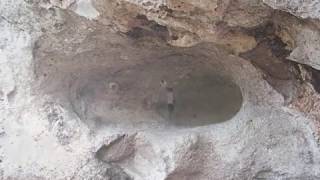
(199, 95)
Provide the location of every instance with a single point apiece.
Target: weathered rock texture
(222, 22)
(190, 22)
(302, 36)
(304, 9)
(80, 89)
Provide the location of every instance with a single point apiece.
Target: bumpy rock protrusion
(117, 150)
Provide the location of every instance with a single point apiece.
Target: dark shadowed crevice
(270, 57)
(146, 28)
(136, 33)
(314, 77)
(316, 80)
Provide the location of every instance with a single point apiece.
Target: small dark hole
(174, 37)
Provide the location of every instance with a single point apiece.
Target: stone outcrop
(301, 37)
(221, 22)
(191, 22)
(80, 94)
(303, 9)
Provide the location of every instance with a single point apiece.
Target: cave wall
(50, 49)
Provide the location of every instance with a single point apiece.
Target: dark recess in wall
(147, 28)
(271, 54)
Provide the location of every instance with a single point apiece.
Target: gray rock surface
(61, 119)
(303, 9)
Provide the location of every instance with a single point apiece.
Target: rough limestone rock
(307, 50)
(118, 149)
(80, 94)
(302, 37)
(190, 22)
(304, 9)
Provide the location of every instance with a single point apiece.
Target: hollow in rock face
(175, 90)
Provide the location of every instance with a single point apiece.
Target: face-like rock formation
(159, 89)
